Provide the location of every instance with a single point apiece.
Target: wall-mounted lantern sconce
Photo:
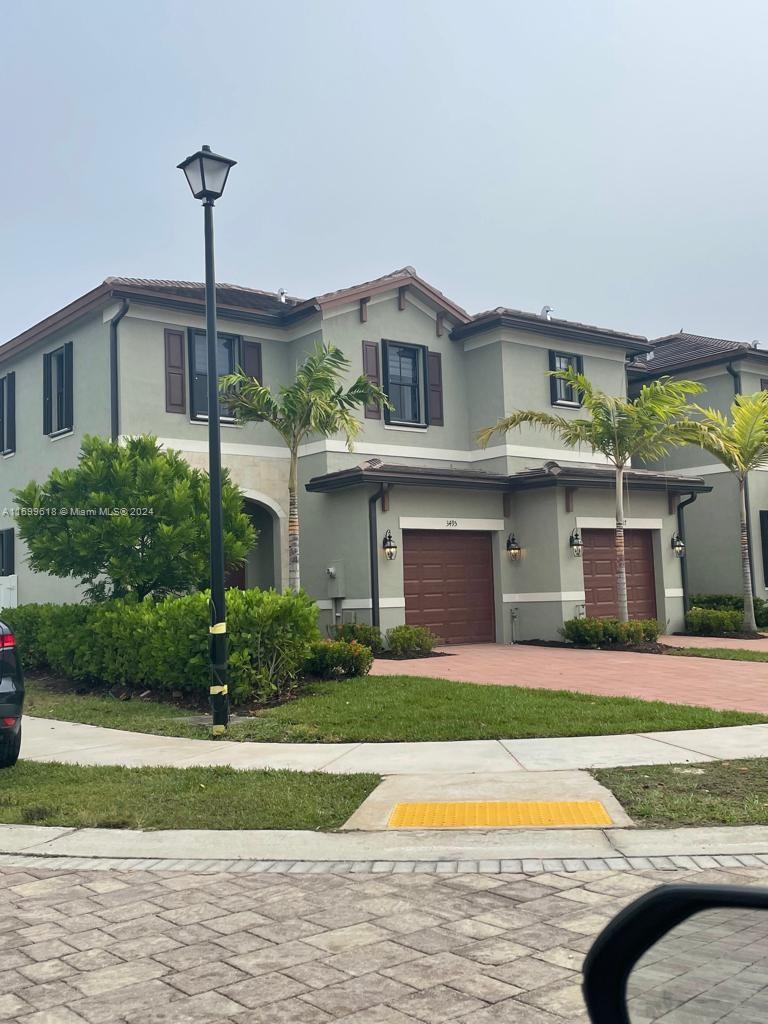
(678, 546)
(514, 551)
(389, 546)
(576, 543)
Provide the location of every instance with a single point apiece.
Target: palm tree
(643, 428)
(315, 403)
(741, 444)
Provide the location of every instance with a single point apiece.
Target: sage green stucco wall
(712, 521)
(36, 455)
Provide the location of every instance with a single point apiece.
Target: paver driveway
(143, 947)
(738, 685)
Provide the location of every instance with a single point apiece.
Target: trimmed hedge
(714, 621)
(361, 633)
(411, 641)
(163, 645)
(338, 659)
(732, 602)
(593, 632)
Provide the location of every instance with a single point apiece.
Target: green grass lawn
(169, 798)
(391, 708)
(716, 793)
(727, 653)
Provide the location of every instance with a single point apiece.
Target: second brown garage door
(449, 584)
(600, 573)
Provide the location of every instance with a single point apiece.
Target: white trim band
(674, 592)
(428, 523)
(556, 596)
(361, 603)
(406, 451)
(608, 523)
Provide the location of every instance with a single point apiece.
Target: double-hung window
(58, 391)
(8, 414)
(404, 383)
(227, 360)
(561, 392)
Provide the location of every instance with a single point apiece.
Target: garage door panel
(599, 561)
(449, 584)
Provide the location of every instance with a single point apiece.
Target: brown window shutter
(435, 388)
(372, 371)
(250, 354)
(175, 383)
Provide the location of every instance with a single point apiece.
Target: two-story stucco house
(726, 369)
(128, 357)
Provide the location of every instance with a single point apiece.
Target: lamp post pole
(206, 175)
(219, 692)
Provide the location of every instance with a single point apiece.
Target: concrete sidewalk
(71, 743)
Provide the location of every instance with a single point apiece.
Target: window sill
(567, 405)
(58, 434)
(225, 421)
(9, 454)
(411, 428)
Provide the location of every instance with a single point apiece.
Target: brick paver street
(171, 947)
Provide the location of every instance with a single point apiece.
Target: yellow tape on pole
(218, 627)
(218, 689)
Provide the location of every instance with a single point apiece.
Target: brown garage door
(600, 573)
(449, 584)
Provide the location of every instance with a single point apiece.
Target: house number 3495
(451, 522)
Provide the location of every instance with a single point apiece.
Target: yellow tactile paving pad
(499, 814)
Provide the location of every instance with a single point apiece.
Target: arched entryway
(263, 564)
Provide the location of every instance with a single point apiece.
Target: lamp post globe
(206, 173)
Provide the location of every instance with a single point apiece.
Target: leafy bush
(593, 632)
(142, 522)
(714, 621)
(338, 659)
(361, 633)
(163, 645)
(411, 641)
(732, 602)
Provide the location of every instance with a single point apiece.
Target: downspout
(373, 544)
(114, 392)
(684, 560)
(737, 391)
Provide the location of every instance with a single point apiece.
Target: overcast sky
(606, 158)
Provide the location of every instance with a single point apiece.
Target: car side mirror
(680, 954)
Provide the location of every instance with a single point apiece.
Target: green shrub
(361, 633)
(338, 659)
(593, 632)
(163, 645)
(732, 602)
(713, 621)
(411, 641)
(651, 628)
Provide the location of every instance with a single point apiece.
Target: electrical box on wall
(337, 586)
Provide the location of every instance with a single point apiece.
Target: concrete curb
(517, 850)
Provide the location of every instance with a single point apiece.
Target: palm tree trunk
(746, 572)
(621, 563)
(294, 572)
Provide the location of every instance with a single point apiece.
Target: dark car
(11, 698)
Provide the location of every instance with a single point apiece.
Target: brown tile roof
(677, 351)
(226, 294)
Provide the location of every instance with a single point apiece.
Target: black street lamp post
(207, 174)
